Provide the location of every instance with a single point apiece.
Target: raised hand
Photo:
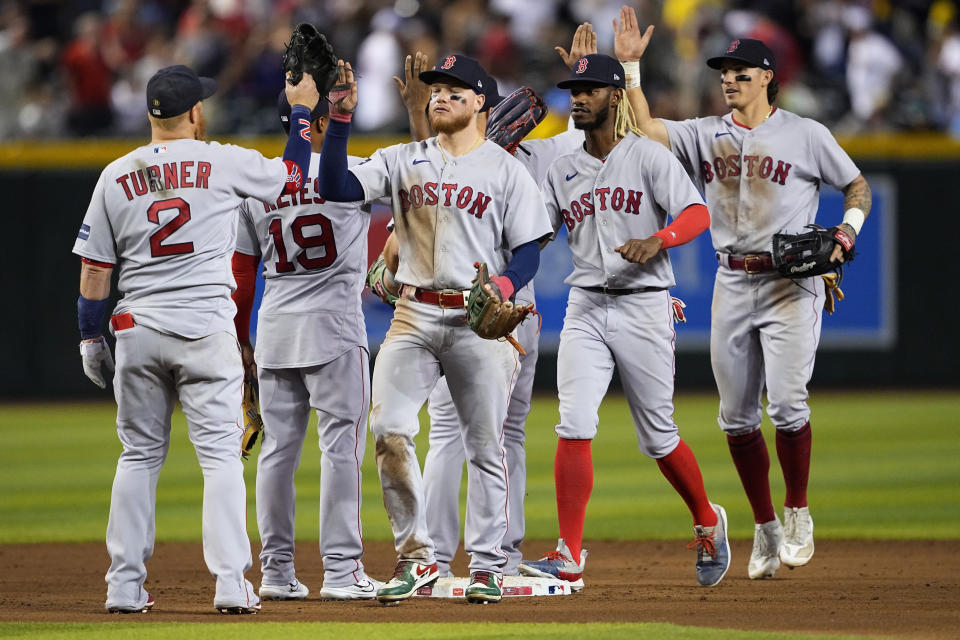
(415, 93)
(304, 92)
(343, 95)
(628, 43)
(584, 43)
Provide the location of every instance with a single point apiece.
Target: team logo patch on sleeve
(84, 232)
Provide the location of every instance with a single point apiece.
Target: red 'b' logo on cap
(448, 62)
(582, 65)
(733, 46)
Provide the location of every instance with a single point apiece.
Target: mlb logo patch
(160, 149)
(84, 232)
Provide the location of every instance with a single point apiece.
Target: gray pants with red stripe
(339, 391)
(423, 343)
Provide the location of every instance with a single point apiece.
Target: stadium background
(72, 78)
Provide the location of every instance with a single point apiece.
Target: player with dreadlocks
(614, 195)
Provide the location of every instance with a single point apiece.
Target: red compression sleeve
(691, 222)
(245, 273)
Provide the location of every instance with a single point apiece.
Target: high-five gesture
(343, 96)
(628, 43)
(584, 43)
(415, 93)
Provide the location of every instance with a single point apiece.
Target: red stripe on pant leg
(793, 450)
(750, 457)
(681, 469)
(573, 478)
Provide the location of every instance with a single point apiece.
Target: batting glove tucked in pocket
(94, 354)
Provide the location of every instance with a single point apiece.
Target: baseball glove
(309, 52)
(516, 116)
(252, 422)
(375, 280)
(802, 255)
(488, 315)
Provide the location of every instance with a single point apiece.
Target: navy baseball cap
(492, 93)
(598, 69)
(751, 52)
(174, 90)
(461, 68)
(283, 108)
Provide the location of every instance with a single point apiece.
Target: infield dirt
(907, 589)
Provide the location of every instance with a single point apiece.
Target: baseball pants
(764, 333)
(339, 391)
(153, 370)
(443, 466)
(424, 340)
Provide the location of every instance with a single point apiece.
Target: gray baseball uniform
(166, 214)
(449, 213)
(311, 353)
(443, 465)
(764, 328)
(603, 204)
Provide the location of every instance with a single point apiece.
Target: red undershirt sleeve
(691, 222)
(245, 273)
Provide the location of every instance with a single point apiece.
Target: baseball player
(760, 168)
(312, 353)
(443, 465)
(457, 200)
(614, 196)
(166, 214)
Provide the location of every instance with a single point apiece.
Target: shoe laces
(555, 556)
(704, 545)
(401, 568)
(484, 577)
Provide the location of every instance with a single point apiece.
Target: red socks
(793, 450)
(573, 478)
(752, 461)
(681, 469)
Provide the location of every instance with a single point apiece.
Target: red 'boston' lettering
(480, 204)
(448, 189)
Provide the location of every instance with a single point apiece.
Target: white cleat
(295, 590)
(765, 558)
(366, 589)
(797, 546)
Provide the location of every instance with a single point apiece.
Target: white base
(513, 586)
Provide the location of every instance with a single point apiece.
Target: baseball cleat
(797, 546)
(765, 557)
(365, 589)
(485, 586)
(409, 576)
(145, 608)
(240, 609)
(557, 564)
(713, 550)
(295, 590)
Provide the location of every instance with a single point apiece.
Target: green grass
(884, 466)
(394, 631)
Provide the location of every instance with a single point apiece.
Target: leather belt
(752, 263)
(442, 299)
(122, 321)
(622, 292)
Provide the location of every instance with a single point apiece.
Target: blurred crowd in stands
(79, 67)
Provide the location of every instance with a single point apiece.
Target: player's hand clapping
(415, 93)
(343, 96)
(304, 92)
(639, 251)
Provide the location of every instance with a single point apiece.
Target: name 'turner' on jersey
(164, 177)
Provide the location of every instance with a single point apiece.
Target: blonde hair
(625, 121)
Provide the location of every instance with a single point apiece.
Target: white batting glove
(94, 354)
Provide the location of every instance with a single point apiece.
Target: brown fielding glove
(252, 422)
(490, 317)
(832, 291)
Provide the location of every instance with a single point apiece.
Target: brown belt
(443, 299)
(753, 263)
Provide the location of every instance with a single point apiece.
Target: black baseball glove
(802, 255)
(516, 116)
(309, 52)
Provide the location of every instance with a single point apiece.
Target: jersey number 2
(157, 248)
(323, 239)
